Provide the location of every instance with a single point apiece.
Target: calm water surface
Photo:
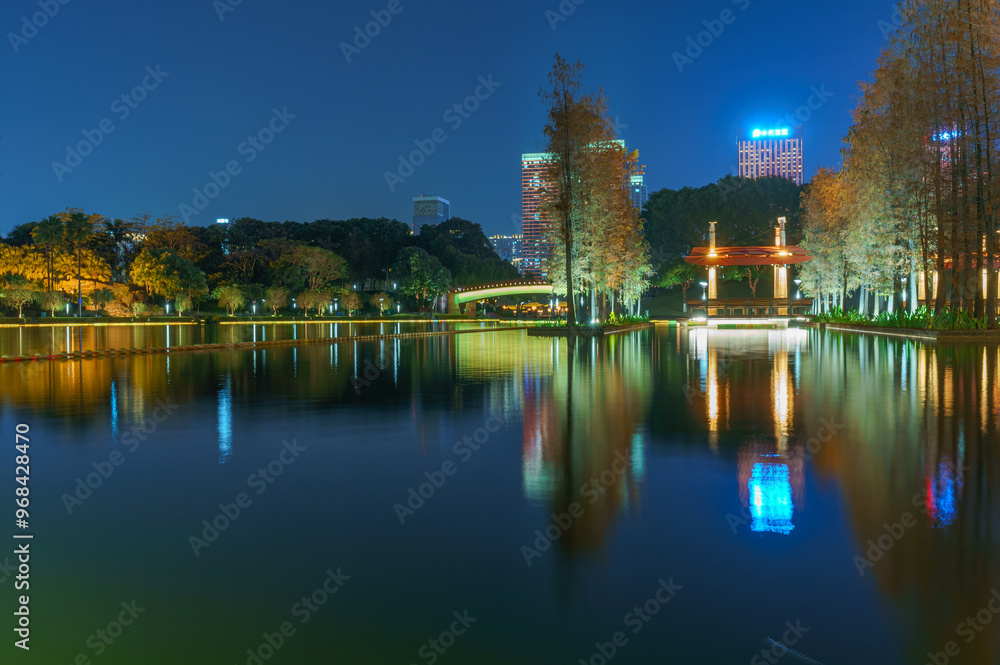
(843, 485)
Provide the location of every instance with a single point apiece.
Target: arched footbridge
(457, 298)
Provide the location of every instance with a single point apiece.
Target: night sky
(211, 83)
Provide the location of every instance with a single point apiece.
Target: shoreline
(232, 346)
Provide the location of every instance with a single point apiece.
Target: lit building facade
(535, 249)
(771, 153)
(638, 191)
(509, 248)
(431, 210)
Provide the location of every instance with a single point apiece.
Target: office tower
(535, 249)
(430, 209)
(508, 248)
(771, 152)
(637, 190)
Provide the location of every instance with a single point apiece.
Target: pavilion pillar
(780, 270)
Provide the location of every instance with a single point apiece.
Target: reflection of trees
(585, 424)
(920, 421)
(439, 374)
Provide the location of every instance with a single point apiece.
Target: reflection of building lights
(943, 490)
(225, 423)
(771, 499)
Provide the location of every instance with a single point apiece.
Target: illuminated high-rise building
(508, 248)
(431, 210)
(535, 249)
(771, 153)
(638, 191)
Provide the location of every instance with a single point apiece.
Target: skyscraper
(771, 152)
(508, 248)
(637, 189)
(431, 210)
(535, 250)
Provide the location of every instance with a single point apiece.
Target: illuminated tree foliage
(596, 231)
(916, 194)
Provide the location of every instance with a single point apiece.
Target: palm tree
(48, 234)
(79, 228)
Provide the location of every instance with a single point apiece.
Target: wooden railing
(750, 307)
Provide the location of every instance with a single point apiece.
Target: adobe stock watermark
(249, 149)
(637, 619)
(122, 107)
(464, 450)
(697, 44)
(435, 648)
(223, 7)
(304, 609)
(260, 480)
(454, 116)
(562, 13)
(892, 534)
(381, 18)
(101, 639)
(592, 490)
(776, 650)
(105, 468)
(887, 28)
(31, 26)
(372, 372)
(968, 629)
(815, 102)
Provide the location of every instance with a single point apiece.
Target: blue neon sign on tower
(769, 133)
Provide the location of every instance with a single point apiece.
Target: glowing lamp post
(798, 289)
(704, 290)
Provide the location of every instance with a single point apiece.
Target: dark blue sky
(221, 80)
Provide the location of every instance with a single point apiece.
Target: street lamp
(798, 289)
(904, 291)
(704, 290)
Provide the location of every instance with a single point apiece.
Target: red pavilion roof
(747, 256)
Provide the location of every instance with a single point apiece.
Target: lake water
(669, 495)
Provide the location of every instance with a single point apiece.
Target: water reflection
(920, 427)
(584, 440)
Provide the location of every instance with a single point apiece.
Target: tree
(752, 275)
(101, 298)
(422, 275)
(51, 301)
(593, 224)
(277, 297)
(163, 272)
(231, 298)
(254, 293)
(168, 233)
(322, 267)
(78, 230)
(16, 292)
(679, 273)
(124, 298)
(48, 234)
(350, 301)
(383, 301)
(317, 299)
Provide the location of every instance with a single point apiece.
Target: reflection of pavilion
(737, 373)
(771, 486)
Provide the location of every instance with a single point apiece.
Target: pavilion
(780, 256)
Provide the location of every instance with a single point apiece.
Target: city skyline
(159, 125)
